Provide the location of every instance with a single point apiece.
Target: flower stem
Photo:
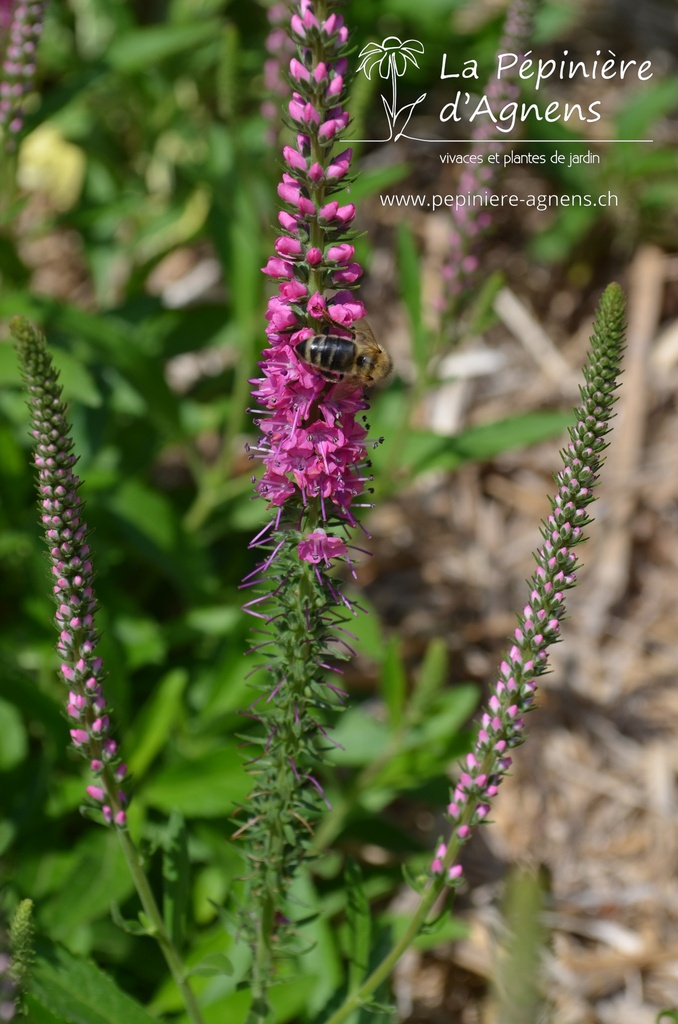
(360, 995)
(157, 926)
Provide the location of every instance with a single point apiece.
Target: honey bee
(357, 355)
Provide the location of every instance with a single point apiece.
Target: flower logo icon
(391, 57)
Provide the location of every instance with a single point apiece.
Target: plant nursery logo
(390, 59)
(497, 111)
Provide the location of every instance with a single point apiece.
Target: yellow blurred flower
(51, 165)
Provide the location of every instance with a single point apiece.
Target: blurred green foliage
(149, 145)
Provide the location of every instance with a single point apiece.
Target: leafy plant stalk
(81, 668)
(502, 724)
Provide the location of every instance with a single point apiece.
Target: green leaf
(146, 512)
(142, 48)
(366, 626)
(13, 739)
(373, 181)
(176, 876)
(214, 964)
(408, 267)
(79, 993)
(124, 924)
(645, 106)
(156, 721)
(409, 274)
(10, 373)
(97, 876)
(208, 787)
(359, 923)
(38, 1013)
(394, 683)
(142, 640)
(447, 714)
(424, 450)
(78, 384)
(362, 736)
(430, 678)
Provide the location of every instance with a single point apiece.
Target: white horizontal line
(513, 142)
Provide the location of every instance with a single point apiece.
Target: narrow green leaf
(13, 738)
(176, 876)
(139, 49)
(429, 679)
(359, 923)
(424, 450)
(156, 722)
(409, 273)
(394, 683)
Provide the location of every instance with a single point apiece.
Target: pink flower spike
(97, 793)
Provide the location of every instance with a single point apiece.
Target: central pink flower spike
(313, 447)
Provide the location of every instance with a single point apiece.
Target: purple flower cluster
(312, 447)
(22, 21)
(71, 566)
(502, 724)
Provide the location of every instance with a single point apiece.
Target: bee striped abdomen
(358, 357)
(330, 353)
